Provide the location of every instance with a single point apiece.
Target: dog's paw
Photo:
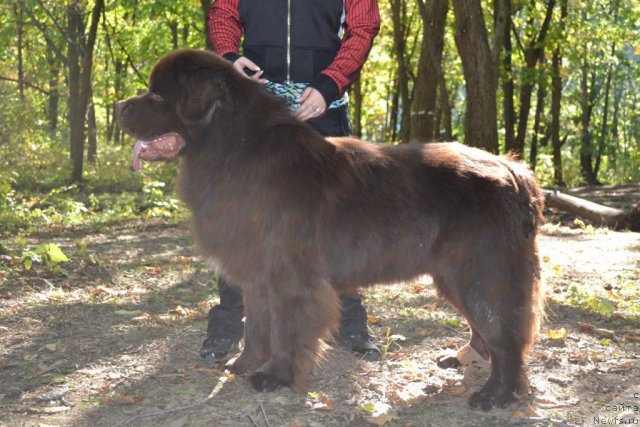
(243, 364)
(448, 361)
(491, 397)
(261, 381)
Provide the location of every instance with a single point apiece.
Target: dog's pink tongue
(136, 155)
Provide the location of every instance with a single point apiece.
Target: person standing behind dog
(309, 52)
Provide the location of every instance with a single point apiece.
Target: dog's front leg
(303, 310)
(256, 332)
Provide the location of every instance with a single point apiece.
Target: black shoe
(224, 332)
(361, 344)
(354, 335)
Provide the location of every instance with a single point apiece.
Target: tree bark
(356, 90)
(80, 64)
(616, 219)
(480, 75)
(556, 99)
(586, 143)
(508, 89)
(533, 54)
(425, 95)
(54, 92)
(19, 41)
(92, 132)
(398, 14)
(540, 99)
(205, 5)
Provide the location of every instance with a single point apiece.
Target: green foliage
(595, 303)
(49, 255)
(34, 154)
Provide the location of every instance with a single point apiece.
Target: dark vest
(293, 39)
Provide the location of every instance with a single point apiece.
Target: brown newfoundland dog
(292, 217)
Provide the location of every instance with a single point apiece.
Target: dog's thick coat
(290, 217)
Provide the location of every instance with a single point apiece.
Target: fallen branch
(616, 219)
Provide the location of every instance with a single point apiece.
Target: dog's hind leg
(302, 313)
(498, 300)
(505, 313)
(256, 332)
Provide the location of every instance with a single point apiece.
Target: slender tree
(532, 54)
(480, 68)
(428, 78)
(556, 98)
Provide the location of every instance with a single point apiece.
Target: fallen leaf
(631, 337)
(153, 271)
(382, 414)
(319, 402)
(374, 320)
(416, 289)
(28, 357)
(97, 292)
(51, 347)
(141, 317)
(203, 306)
(184, 260)
(557, 334)
(583, 326)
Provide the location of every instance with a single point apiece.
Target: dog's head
(186, 89)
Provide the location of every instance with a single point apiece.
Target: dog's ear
(201, 92)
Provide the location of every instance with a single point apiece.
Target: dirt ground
(116, 340)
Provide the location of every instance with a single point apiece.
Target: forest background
(555, 81)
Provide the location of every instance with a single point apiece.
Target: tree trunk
(19, 40)
(92, 149)
(398, 14)
(586, 144)
(540, 98)
(556, 98)
(605, 122)
(425, 95)
(54, 92)
(533, 54)
(173, 27)
(508, 109)
(480, 75)
(616, 219)
(615, 133)
(356, 90)
(80, 63)
(205, 5)
(393, 111)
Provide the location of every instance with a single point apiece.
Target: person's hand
(243, 63)
(312, 105)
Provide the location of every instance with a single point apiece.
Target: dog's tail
(530, 200)
(530, 196)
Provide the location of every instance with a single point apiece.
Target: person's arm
(225, 30)
(361, 26)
